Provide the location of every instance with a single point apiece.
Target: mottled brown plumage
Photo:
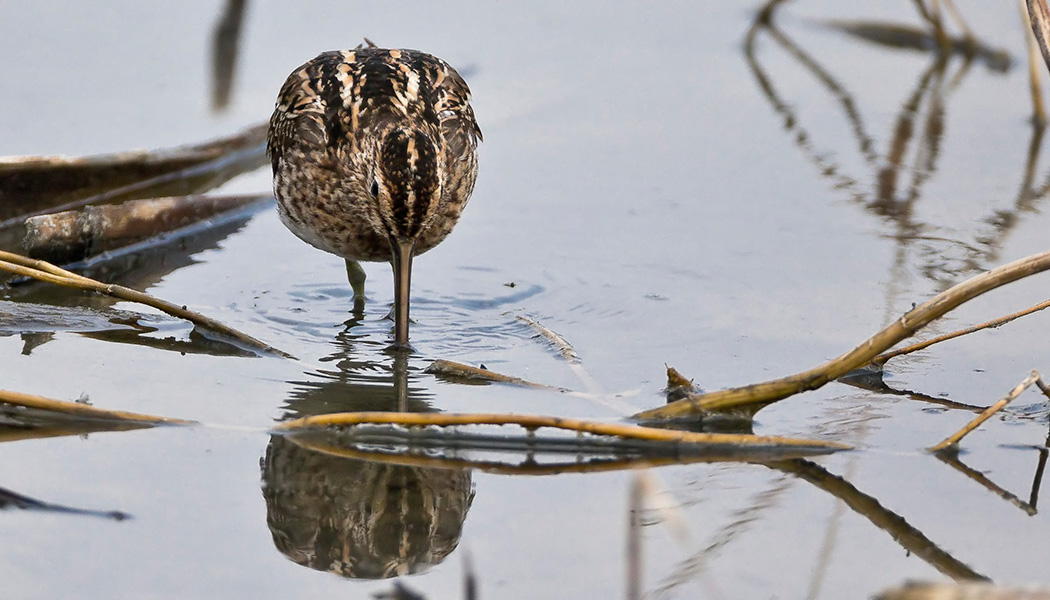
(374, 158)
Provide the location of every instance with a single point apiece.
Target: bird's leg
(401, 252)
(356, 275)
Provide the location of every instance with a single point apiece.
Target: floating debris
(34, 185)
(75, 235)
(462, 373)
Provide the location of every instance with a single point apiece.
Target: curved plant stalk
(45, 271)
(533, 422)
(886, 356)
(84, 411)
(953, 440)
(901, 329)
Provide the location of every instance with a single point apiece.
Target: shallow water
(661, 188)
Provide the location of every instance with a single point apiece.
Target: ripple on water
(444, 324)
(460, 326)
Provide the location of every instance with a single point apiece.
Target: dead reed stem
(886, 356)
(953, 440)
(901, 329)
(85, 411)
(45, 271)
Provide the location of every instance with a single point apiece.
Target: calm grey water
(659, 192)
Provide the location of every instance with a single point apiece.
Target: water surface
(661, 185)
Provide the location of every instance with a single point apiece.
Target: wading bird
(374, 156)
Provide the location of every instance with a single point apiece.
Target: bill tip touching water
(374, 156)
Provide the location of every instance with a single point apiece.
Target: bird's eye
(375, 189)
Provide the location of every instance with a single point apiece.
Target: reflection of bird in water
(374, 158)
(354, 517)
(361, 519)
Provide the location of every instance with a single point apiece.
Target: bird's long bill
(402, 262)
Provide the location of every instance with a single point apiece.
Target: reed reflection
(353, 517)
(225, 48)
(906, 535)
(950, 457)
(898, 176)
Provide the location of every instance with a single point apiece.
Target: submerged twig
(953, 440)
(560, 344)
(455, 370)
(901, 329)
(83, 411)
(45, 271)
(459, 372)
(566, 351)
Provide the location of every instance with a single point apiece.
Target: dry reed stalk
(901, 329)
(953, 440)
(886, 356)
(45, 271)
(85, 411)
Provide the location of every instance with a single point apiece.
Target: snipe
(374, 157)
